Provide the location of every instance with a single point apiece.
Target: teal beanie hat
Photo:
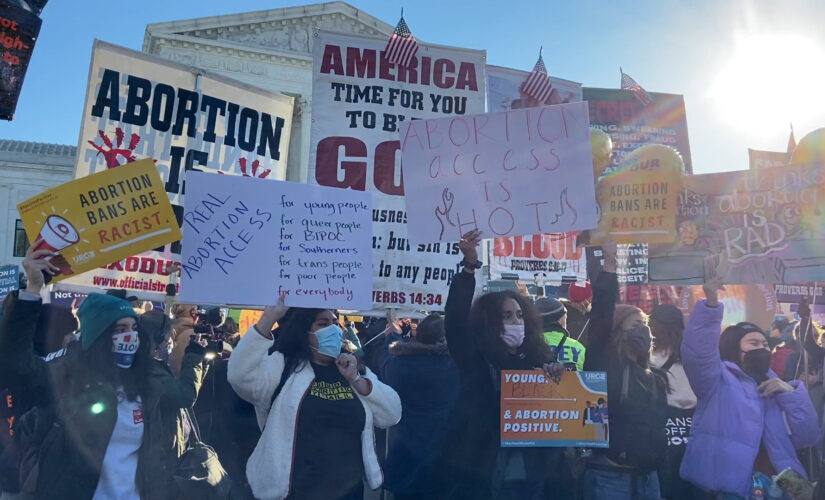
(98, 313)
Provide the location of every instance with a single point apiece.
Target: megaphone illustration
(57, 234)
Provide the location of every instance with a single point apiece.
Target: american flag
(537, 85)
(631, 85)
(401, 47)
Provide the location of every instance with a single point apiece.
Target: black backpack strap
(669, 363)
(284, 376)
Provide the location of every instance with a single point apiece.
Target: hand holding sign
(469, 245)
(36, 265)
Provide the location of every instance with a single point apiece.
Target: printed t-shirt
(328, 461)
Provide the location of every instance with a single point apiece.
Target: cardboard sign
(9, 280)
(186, 119)
(546, 257)
(631, 124)
(19, 30)
(520, 172)
(102, 218)
(247, 241)
(247, 319)
(767, 225)
(631, 263)
(358, 101)
(537, 412)
(638, 198)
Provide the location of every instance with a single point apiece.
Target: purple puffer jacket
(731, 417)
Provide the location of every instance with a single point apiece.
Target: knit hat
(98, 313)
(729, 341)
(579, 293)
(550, 309)
(668, 314)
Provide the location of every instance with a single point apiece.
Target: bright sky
(746, 68)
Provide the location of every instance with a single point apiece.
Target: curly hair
(487, 319)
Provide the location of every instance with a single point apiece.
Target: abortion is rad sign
(766, 224)
(518, 172)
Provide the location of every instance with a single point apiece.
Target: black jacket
(427, 381)
(65, 440)
(473, 438)
(637, 418)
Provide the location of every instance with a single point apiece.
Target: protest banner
(646, 297)
(142, 106)
(67, 299)
(794, 294)
(509, 173)
(551, 257)
(247, 320)
(767, 159)
(631, 263)
(525, 256)
(504, 90)
(754, 303)
(247, 241)
(537, 412)
(631, 124)
(766, 226)
(19, 30)
(9, 280)
(355, 89)
(100, 219)
(637, 199)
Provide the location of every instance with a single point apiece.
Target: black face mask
(756, 363)
(639, 340)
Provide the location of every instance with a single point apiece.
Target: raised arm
(605, 295)
(462, 347)
(182, 391)
(21, 369)
(700, 347)
(252, 372)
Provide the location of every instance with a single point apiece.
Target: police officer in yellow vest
(568, 350)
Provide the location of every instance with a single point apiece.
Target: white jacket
(254, 375)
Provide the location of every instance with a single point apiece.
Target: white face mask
(125, 346)
(513, 335)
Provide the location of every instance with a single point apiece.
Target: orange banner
(537, 412)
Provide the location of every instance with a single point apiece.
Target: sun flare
(770, 80)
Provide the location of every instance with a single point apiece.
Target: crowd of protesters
(119, 400)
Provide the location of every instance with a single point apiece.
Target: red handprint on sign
(255, 164)
(113, 154)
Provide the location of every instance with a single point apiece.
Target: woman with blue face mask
(104, 425)
(498, 331)
(315, 406)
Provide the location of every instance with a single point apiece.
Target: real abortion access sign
(518, 172)
(246, 241)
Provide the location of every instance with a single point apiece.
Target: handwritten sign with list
(246, 241)
(518, 172)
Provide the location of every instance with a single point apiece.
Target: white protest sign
(510, 173)
(141, 106)
(246, 241)
(358, 100)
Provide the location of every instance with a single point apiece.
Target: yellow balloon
(811, 149)
(602, 147)
(654, 156)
